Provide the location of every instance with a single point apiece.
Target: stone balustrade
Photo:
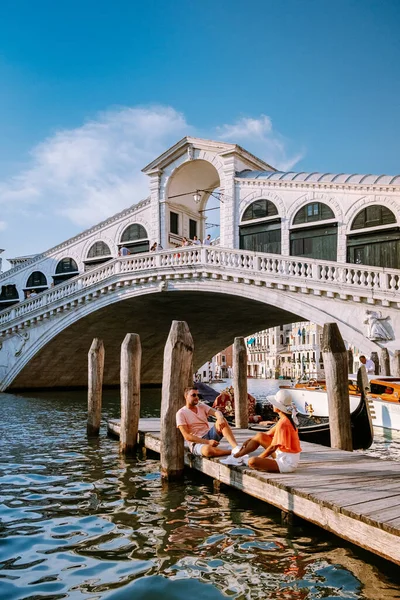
(348, 282)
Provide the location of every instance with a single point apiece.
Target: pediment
(223, 149)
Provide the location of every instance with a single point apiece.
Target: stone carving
(378, 326)
(163, 286)
(24, 338)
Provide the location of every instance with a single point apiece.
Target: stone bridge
(220, 292)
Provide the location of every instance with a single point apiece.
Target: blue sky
(92, 90)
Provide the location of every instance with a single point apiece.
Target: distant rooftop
(20, 259)
(341, 178)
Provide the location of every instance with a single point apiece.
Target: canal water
(79, 522)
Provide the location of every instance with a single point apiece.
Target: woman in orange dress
(281, 443)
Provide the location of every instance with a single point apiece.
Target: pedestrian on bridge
(207, 240)
(192, 421)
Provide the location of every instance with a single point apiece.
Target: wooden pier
(352, 495)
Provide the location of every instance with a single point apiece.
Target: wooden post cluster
(240, 383)
(396, 363)
(385, 362)
(178, 355)
(337, 387)
(131, 356)
(350, 360)
(95, 386)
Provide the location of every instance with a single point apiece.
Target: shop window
(315, 211)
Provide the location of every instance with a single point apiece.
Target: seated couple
(281, 444)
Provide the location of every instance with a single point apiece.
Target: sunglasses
(194, 395)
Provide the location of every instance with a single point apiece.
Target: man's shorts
(212, 434)
(287, 461)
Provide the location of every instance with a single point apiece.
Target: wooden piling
(178, 355)
(385, 362)
(337, 387)
(131, 356)
(240, 383)
(350, 360)
(396, 363)
(375, 360)
(95, 386)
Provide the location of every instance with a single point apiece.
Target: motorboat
(383, 395)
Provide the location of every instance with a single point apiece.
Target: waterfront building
(265, 350)
(305, 347)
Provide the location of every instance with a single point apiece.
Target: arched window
(315, 211)
(314, 241)
(380, 245)
(8, 295)
(37, 280)
(134, 238)
(98, 254)
(264, 235)
(260, 209)
(66, 268)
(99, 249)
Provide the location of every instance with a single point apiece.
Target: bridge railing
(297, 270)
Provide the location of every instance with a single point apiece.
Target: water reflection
(79, 521)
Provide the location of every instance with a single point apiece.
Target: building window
(8, 296)
(36, 280)
(66, 265)
(264, 236)
(316, 211)
(260, 209)
(376, 247)
(174, 223)
(135, 239)
(373, 216)
(99, 249)
(192, 228)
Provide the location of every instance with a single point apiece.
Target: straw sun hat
(282, 400)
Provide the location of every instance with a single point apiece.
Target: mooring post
(350, 360)
(178, 355)
(337, 386)
(95, 385)
(396, 363)
(375, 360)
(240, 383)
(385, 362)
(131, 356)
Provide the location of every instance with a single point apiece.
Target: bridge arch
(57, 355)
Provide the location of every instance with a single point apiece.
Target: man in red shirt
(192, 421)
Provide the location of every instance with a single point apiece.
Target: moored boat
(383, 394)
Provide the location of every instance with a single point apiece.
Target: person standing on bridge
(281, 443)
(207, 240)
(192, 421)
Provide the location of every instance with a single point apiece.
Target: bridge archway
(216, 312)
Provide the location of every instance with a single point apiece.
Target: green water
(78, 521)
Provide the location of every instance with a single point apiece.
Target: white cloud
(93, 171)
(86, 174)
(258, 136)
(3, 225)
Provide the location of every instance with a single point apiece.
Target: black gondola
(316, 429)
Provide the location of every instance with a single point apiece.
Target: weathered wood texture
(350, 360)
(337, 387)
(396, 363)
(355, 496)
(240, 382)
(385, 362)
(178, 355)
(375, 360)
(95, 386)
(131, 356)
